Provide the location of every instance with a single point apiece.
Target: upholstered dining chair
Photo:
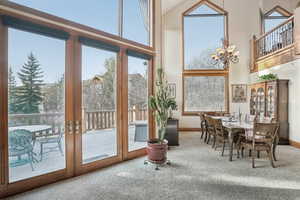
(263, 139)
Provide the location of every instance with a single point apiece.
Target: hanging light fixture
(226, 54)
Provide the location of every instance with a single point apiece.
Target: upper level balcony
(277, 46)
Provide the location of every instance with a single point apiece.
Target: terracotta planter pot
(157, 152)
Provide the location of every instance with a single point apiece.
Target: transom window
(274, 17)
(205, 84)
(204, 30)
(129, 19)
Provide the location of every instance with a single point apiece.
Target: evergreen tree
(109, 83)
(12, 98)
(29, 93)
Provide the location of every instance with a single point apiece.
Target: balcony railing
(278, 38)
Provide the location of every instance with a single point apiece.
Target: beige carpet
(197, 172)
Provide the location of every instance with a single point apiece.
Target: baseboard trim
(189, 129)
(295, 144)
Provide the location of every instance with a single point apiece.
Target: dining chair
(203, 126)
(210, 130)
(263, 139)
(221, 134)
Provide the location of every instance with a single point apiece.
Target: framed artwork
(239, 93)
(172, 89)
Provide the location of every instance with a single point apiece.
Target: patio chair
(21, 143)
(263, 139)
(51, 138)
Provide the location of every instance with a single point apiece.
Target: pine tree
(29, 93)
(12, 98)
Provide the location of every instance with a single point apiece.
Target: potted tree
(161, 104)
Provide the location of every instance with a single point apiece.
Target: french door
(36, 104)
(112, 117)
(69, 105)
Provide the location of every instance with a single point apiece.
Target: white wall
(244, 21)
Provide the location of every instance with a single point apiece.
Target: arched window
(205, 85)
(274, 17)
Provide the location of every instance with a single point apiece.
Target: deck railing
(276, 39)
(93, 120)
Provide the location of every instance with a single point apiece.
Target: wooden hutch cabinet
(270, 99)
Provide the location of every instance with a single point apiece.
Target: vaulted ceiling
(169, 4)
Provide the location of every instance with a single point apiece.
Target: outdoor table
(36, 130)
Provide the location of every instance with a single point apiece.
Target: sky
(51, 52)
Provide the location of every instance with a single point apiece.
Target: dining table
(234, 128)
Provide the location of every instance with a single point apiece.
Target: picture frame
(172, 89)
(239, 93)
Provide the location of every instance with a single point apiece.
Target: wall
(244, 22)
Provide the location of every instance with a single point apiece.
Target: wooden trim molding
(209, 4)
(279, 57)
(182, 129)
(295, 144)
(279, 9)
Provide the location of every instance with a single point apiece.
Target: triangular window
(275, 14)
(204, 10)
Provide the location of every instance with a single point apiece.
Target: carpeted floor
(197, 172)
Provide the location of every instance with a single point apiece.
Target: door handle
(77, 127)
(70, 127)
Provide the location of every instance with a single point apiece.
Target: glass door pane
(36, 98)
(99, 130)
(138, 130)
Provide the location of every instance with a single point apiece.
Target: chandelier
(225, 55)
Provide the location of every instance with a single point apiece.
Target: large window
(132, 22)
(204, 93)
(136, 20)
(274, 17)
(204, 83)
(203, 33)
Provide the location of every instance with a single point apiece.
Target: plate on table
(230, 120)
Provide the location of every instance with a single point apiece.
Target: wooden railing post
(297, 31)
(253, 52)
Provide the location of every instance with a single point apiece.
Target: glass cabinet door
(253, 105)
(261, 101)
(271, 101)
